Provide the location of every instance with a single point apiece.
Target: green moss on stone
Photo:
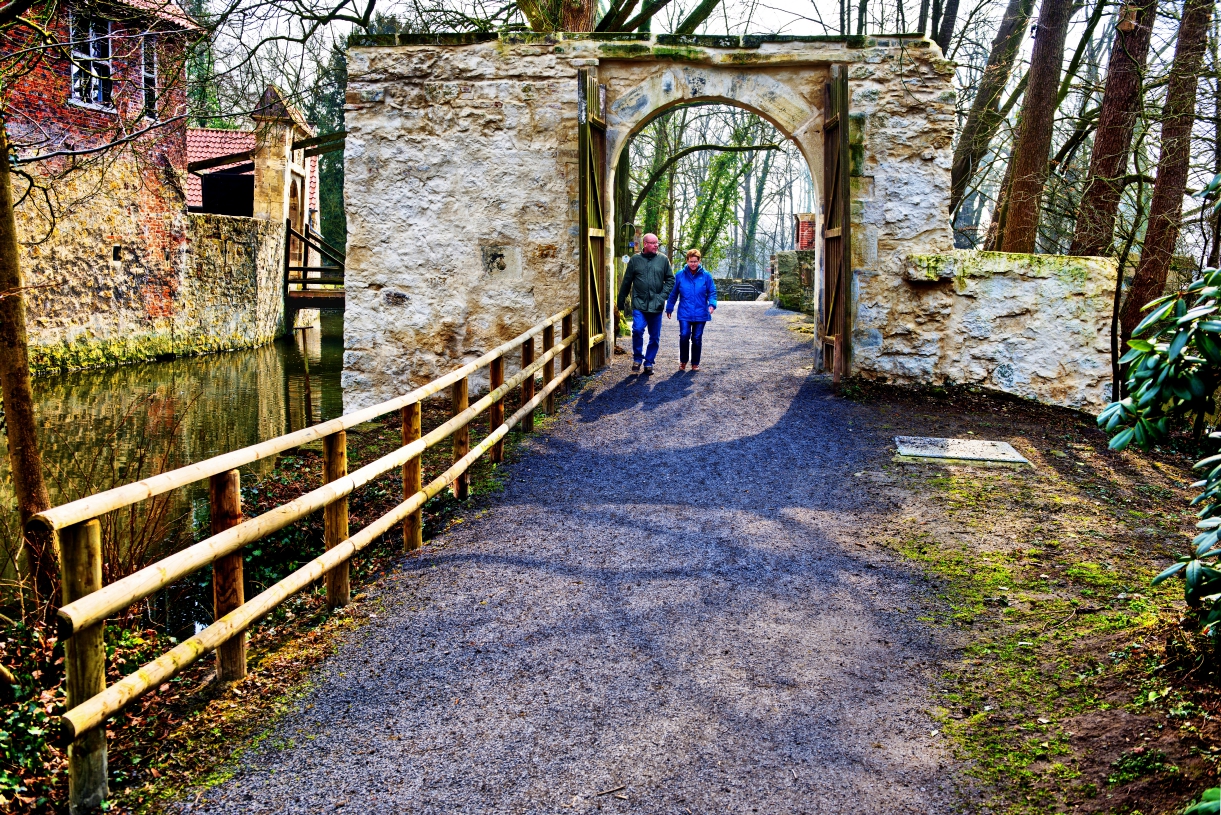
(612, 51)
(682, 54)
(95, 353)
(933, 267)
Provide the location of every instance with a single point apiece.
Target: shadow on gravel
(646, 392)
(669, 614)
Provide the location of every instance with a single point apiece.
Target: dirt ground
(1075, 689)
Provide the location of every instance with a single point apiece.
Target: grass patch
(1072, 690)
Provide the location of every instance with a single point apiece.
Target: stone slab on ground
(971, 451)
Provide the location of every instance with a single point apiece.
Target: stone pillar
(271, 171)
(276, 168)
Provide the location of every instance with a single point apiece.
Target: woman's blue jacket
(694, 293)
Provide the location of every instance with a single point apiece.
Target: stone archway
(462, 148)
(637, 93)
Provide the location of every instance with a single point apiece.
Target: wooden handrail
(313, 244)
(88, 603)
(94, 505)
(93, 608)
(93, 712)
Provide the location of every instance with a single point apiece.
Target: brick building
(119, 266)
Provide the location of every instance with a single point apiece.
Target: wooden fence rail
(87, 603)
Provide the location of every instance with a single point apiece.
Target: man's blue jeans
(640, 321)
(690, 332)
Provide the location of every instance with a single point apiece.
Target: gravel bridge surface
(668, 610)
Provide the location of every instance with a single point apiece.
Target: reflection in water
(102, 428)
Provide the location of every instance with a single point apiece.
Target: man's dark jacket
(650, 281)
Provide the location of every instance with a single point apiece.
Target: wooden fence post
(228, 583)
(549, 368)
(413, 526)
(496, 413)
(335, 517)
(566, 354)
(459, 401)
(527, 386)
(80, 565)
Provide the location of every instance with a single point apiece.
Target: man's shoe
(635, 367)
(648, 369)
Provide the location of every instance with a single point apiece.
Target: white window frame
(148, 74)
(88, 54)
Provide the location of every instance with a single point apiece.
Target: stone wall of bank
(129, 275)
(1036, 326)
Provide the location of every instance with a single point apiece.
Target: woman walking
(695, 292)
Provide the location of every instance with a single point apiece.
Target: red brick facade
(104, 258)
(44, 117)
(807, 231)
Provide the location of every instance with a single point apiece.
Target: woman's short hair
(695, 252)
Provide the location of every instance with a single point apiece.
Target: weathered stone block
(1032, 325)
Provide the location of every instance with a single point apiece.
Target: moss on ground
(1066, 693)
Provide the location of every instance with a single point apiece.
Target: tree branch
(697, 17)
(686, 151)
(646, 14)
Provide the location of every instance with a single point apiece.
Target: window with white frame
(148, 61)
(91, 75)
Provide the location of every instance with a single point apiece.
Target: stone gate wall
(1036, 326)
(461, 196)
(461, 168)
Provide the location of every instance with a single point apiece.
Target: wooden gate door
(837, 212)
(595, 288)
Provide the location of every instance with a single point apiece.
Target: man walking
(650, 279)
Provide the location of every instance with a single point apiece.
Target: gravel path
(672, 597)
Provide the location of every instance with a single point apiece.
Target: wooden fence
(87, 603)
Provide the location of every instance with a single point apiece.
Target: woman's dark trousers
(690, 341)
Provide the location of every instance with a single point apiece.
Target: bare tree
(1166, 207)
(984, 118)
(1019, 221)
(1116, 120)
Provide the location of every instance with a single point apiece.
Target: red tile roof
(211, 142)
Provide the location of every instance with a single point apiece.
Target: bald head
(650, 243)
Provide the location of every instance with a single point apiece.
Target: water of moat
(104, 427)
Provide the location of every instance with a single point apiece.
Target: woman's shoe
(695, 367)
(682, 366)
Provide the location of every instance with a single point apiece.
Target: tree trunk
(997, 227)
(948, 18)
(578, 16)
(923, 21)
(752, 219)
(697, 17)
(860, 17)
(1121, 100)
(671, 235)
(25, 460)
(1166, 206)
(1030, 154)
(1214, 252)
(984, 118)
